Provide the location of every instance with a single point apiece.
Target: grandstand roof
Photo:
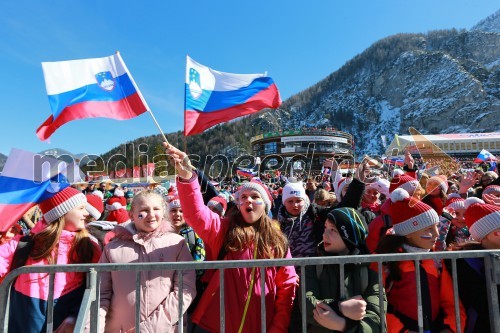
(455, 136)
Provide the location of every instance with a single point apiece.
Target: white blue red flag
(213, 97)
(396, 161)
(89, 88)
(243, 172)
(484, 156)
(27, 179)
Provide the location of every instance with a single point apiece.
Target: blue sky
(297, 42)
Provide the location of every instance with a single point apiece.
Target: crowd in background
(372, 209)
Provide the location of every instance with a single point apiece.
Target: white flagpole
(141, 97)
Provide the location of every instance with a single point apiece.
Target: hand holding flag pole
(181, 161)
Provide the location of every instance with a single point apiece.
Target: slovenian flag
(484, 156)
(213, 97)
(397, 161)
(89, 88)
(28, 179)
(248, 173)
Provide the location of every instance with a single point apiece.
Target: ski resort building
(458, 144)
(307, 148)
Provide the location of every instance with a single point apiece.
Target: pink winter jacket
(280, 282)
(36, 285)
(160, 289)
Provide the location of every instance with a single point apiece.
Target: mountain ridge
(442, 81)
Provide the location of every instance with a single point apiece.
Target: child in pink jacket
(146, 238)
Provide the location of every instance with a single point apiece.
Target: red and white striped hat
(491, 189)
(455, 201)
(174, 202)
(61, 203)
(407, 183)
(481, 218)
(94, 206)
(410, 215)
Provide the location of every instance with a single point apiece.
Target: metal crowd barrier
(90, 303)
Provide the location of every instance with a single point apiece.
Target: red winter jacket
(402, 297)
(377, 226)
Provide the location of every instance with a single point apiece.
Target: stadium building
(459, 144)
(305, 148)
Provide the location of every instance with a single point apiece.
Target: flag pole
(141, 97)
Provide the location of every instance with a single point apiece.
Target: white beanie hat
(294, 190)
(381, 185)
(118, 193)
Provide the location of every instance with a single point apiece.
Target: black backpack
(22, 252)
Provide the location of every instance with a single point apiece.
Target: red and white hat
(410, 215)
(381, 185)
(481, 218)
(174, 202)
(61, 203)
(340, 186)
(115, 203)
(118, 192)
(259, 187)
(94, 206)
(407, 183)
(119, 216)
(491, 189)
(455, 201)
(218, 203)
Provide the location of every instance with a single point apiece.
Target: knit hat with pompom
(481, 218)
(410, 215)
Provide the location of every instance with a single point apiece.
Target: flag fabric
(248, 173)
(396, 161)
(493, 166)
(484, 156)
(25, 182)
(89, 88)
(213, 97)
(326, 171)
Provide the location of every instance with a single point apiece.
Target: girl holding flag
(246, 234)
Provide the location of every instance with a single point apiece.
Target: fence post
(492, 273)
(88, 298)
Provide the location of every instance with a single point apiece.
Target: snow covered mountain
(489, 24)
(441, 82)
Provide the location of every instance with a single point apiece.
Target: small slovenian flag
(28, 179)
(397, 161)
(484, 156)
(213, 97)
(89, 88)
(248, 173)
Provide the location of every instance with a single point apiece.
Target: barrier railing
(90, 302)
